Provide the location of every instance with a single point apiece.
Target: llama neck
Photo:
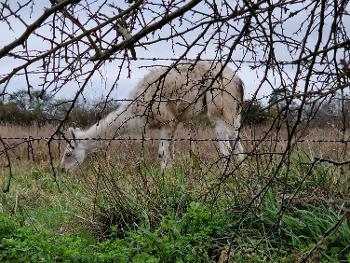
(117, 123)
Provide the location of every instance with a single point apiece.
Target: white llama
(165, 97)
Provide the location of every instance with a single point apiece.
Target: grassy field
(120, 207)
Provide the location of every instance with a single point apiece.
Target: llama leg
(238, 149)
(222, 130)
(166, 147)
(172, 148)
(236, 144)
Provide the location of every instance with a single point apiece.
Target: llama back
(187, 90)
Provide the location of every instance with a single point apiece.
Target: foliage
(254, 113)
(23, 108)
(185, 239)
(196, 236)
(13, 114)
(302, 228)
(173, 216)
(23, 244)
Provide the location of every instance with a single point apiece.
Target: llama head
(75, 151)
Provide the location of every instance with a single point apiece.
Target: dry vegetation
(314, 142)
(121, 189)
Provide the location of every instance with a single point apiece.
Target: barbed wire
(154, 59)
(47, 138)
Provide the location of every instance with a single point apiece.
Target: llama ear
(73, 135)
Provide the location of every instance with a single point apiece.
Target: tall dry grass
(121, 185)
(140, 152)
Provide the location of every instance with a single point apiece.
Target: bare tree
(78, 38)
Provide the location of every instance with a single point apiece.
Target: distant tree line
(321, 112)
(23, 108)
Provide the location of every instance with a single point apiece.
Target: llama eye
(68, 154)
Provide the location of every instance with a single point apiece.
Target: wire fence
(172, 59)
(179, 139)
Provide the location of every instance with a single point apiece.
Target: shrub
(253, 113)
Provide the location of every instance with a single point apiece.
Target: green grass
(183, 215)
(185, 239)
(300, 229)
